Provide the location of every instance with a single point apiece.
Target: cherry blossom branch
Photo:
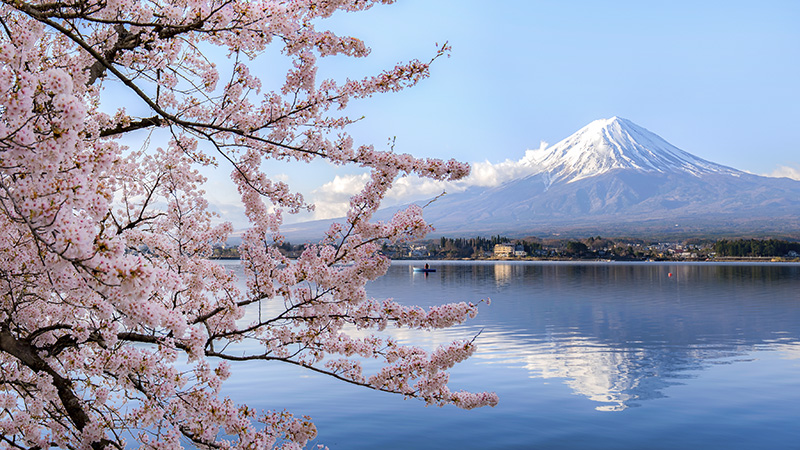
(27, 354)
(123, 128)
(104, 276)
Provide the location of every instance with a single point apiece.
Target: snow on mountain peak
(611, 144)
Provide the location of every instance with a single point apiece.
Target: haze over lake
(583, 355)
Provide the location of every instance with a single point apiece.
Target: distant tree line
(589, 248)
(286, 248)
(755, 247)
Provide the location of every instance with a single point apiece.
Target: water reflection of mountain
(617, 377)
(620, 334)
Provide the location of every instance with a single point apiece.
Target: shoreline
(760, 259)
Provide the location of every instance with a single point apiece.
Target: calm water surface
(583, 356)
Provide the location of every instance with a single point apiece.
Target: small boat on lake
(424, 269)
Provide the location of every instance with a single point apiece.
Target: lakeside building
(418, 251)
(503, 250)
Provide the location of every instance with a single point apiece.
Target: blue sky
(719, 79)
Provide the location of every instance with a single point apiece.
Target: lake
(582, 356)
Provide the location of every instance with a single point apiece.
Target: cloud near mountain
(786, 172)
(332, 198)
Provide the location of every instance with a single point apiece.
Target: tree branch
(28, 355)
(147, 122)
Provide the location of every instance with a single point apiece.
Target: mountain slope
(615, 177)
(611, 144)
(626, 202)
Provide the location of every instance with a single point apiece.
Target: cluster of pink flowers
(106, 282)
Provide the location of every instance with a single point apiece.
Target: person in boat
(427, 266)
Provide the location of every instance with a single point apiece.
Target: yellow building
(503, 250)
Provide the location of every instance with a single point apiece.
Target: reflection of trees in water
(620, 334)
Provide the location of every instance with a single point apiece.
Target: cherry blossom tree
(115, 327)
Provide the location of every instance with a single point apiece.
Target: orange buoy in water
(669, 274)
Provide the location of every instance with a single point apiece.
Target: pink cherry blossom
(106, 286)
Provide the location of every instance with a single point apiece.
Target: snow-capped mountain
(613, 177)
(616, 144)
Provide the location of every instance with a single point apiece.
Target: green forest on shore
(591, 248)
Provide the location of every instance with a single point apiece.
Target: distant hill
(613, 177)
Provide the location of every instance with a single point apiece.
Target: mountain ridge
(617, 143)
(613, 176)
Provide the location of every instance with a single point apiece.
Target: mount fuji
(613, 177)
(616, 144)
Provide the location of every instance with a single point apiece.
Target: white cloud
(413, 187)
(487, 174)
(332, 199)
(786, 172)
(484, 174)
(281, 177)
